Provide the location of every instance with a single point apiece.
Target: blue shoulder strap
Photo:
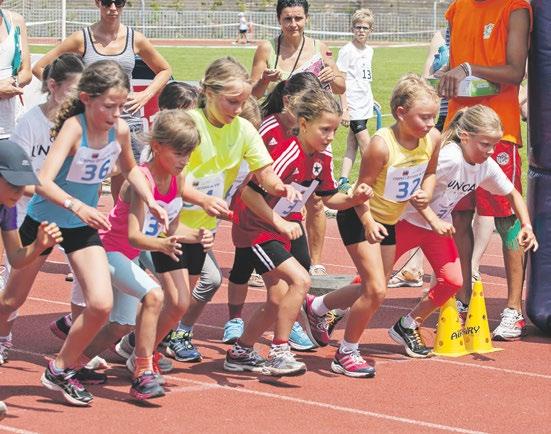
(84, 140)
(112, 135)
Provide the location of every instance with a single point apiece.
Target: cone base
(489, 350)
(460, 354)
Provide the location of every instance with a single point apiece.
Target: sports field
(389, 64)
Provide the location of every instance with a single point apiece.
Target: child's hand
(375, 232)
(215, 206)
(171, 246)
(527, 239)
(420, 199)
(159, 213)
(48, 235)
(92, 217)
(361, 193)
(289, 229)
(206, 238)
(442, 228)
(290, 193)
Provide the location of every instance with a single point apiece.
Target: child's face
(419, 119)
(316, 135)
(9, 194)
(477, 148)
(225, 106)
(171, 160)
(361, 30)
(105, 109)
(60, 91)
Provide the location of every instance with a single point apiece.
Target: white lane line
(491, 368)
(15, 430)
(329, 406)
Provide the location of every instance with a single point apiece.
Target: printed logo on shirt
(316, 168)
(25, 163)
(272, 142)
(461, 186)
(502, 158)
(405, 173)
(488, 28)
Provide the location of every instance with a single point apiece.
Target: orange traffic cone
(477, 330)
(449, 336)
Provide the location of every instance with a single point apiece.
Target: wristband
(467, 68)
(527, 226)
(68, 204)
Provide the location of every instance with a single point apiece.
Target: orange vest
(479, 31)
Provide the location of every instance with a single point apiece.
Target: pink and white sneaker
(352, 365)
(316, 325)
(511, 327)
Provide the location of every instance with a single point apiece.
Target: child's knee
(9, 305)
(301, 283)
(99, 310)
(154, 299)
(375, 292)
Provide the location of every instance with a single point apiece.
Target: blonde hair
(363, 14)
(408, 90)
(312, 103)
(218, 74)
(174, 128)
(478, 119)
(251, 112)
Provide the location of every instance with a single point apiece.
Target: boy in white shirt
(357, 103)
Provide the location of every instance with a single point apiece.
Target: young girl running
(226, 140)
(90, 138)
(277, 127)
(399, 164)
(264, 239)
(16, 172)
(463, 166)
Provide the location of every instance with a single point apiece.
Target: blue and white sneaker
(299, 340)
(181, 348)
(233, 330)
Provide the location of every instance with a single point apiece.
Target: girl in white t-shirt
(463, 165)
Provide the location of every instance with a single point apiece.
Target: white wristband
(469, 69)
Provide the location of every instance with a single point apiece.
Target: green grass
(389, 64)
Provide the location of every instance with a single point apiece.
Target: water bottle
(441, 58)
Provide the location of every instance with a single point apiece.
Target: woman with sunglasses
(109, 39)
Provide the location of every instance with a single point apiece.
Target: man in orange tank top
(489, 40)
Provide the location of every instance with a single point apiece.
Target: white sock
(340, 311)
(347, 347)
(319, 307)
(409, 322)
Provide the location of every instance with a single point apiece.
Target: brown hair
(408, 90)
(174, 128)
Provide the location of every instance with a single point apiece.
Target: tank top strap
(82, 120)
(130, 39)
(112, 135)
(173, 190)
(272, 56)
(147, 173)
(87, 40)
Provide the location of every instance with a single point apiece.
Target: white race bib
(91, 166)
(402, 182)
(284, 207)
(151, 226)
(212, 185)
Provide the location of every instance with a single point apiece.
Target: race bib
(401, 182)
(91, 166)
(284, 207)
(212, 185)
(151, 226)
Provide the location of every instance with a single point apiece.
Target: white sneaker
(5, 345)
(281, 361)
(462, 310)
(318, 270)
(405, 278)
(512, 326)
(3, 410)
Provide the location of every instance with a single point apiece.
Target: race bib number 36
(401, 182)
(91, 166)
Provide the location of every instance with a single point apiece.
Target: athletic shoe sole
(275, 372)
(299, 347)
(172, 354)
(399, 340)
(237, 367)
(230, 341)
(405, 284)
(67, 397)
(3, 410)
(338, 369)
(143, 396)
(502, 338)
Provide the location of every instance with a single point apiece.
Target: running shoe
(344, 185)
(332, 318)
(281, 362)
(411, 339)
(299, 340)
(240, 359)
(146, 386)
(352, 365)
(125, 347)
(60, 327)
(511, 327)
(96, 363)
(5, 345)
(166, 340)
(462, 310)
(405, 278)
(318, 270)
(233, 329)
(87, 376)
(68, 385)
(256, 281)
(181, 348)
(316, 326)
(161, 364)
(3, 410)
(131, 366)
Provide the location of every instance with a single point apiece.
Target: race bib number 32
(401, 182)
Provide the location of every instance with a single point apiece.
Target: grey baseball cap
(15, 165)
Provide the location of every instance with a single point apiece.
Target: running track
(502, 391)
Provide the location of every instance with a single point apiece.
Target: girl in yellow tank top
(399, 164)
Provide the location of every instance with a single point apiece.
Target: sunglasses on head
(118, 3)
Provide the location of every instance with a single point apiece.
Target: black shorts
(244, 259)
(266, 256)
(73, 238)
(358, 126)
(242, 31)
(352, 231)
(192, 258)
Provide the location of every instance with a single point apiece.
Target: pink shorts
(507, 156)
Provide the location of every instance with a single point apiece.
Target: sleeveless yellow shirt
(399, 178)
